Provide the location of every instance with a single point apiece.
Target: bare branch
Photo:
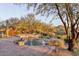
(64, 23)
(76, 21)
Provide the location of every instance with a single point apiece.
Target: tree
(67, 13)
(30, 24)
(71, 20)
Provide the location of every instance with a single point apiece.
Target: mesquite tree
(67, 13)
(71, 22)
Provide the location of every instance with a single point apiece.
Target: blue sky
(11, 10)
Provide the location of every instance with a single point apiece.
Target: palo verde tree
(67, 13)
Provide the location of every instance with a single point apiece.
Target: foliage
(68, 14)
(32, 25)
(76, 53)
(29, 24)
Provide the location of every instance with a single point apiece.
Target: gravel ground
(8, 48)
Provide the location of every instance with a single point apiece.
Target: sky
(11, 10)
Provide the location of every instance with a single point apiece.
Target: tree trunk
(71, 45)
(72, 41)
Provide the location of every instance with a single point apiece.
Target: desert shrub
(76, 53)
(46, 36)
(58, 36)
(66, 40)
(60, 33)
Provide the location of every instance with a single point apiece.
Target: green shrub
(66, 40)
(76, 53)
(58, 36)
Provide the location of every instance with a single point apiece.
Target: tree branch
(77, 35)
(76, 21)
(61, 18)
